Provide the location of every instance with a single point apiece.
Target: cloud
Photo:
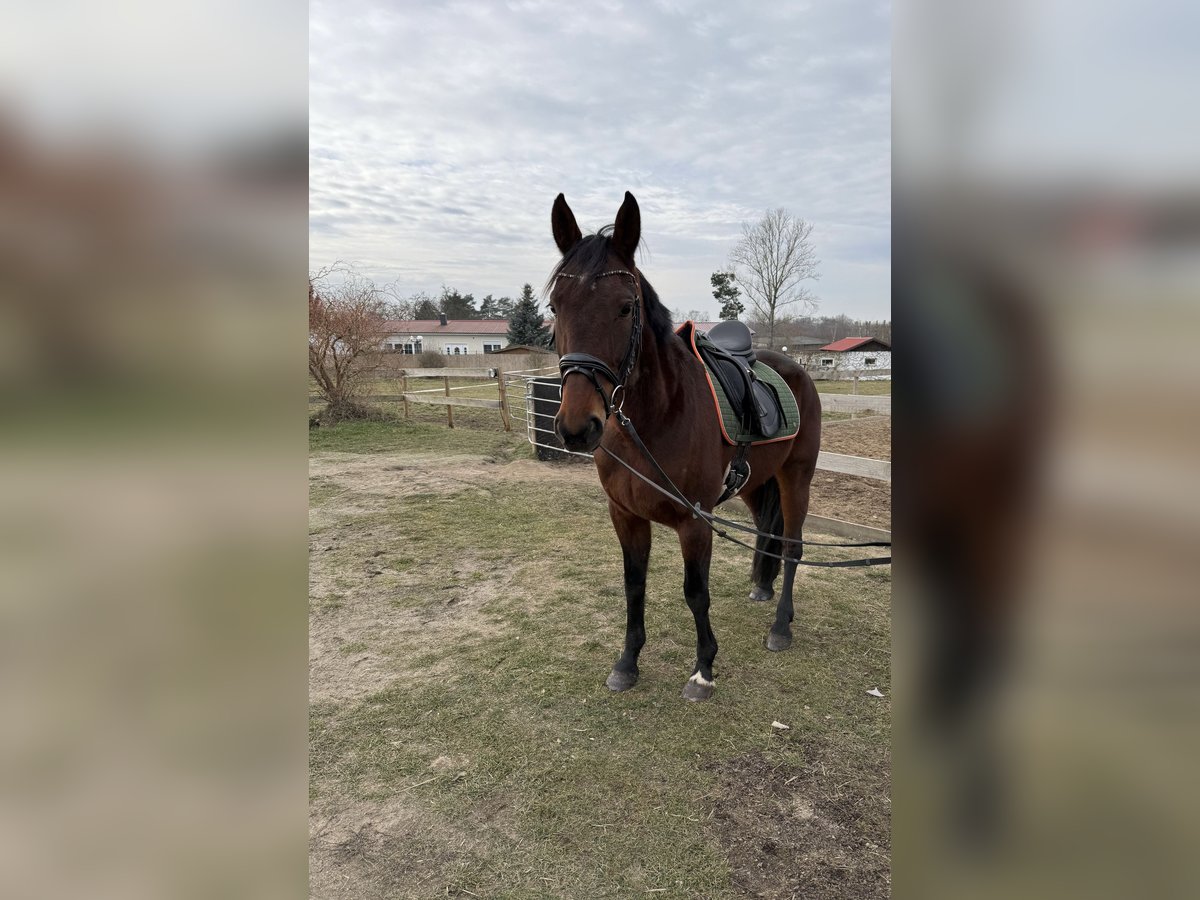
(440, 136)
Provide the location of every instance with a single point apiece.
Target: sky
(440, 134)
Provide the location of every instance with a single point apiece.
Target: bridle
(591, 366)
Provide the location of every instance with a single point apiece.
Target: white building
(451, 337)
(853, 356)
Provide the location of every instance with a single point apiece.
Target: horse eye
(626, 309)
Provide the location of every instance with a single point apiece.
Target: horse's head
(596, 298)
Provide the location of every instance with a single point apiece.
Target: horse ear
(628, 229)
(562, 220)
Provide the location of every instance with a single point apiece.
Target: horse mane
(589, 256)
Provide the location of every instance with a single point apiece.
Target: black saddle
(733, 336)
(730, 358)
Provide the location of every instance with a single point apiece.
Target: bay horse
(612, 365)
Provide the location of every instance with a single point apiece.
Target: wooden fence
(881, 404)
(442, 396)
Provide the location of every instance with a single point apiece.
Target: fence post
(404, 390)
(449, 409)
(503, 400)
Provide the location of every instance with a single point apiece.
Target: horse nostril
(585, 438)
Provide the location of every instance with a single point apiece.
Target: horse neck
(658, 391)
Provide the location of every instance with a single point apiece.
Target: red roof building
(454, 337)
(845, 345)
(452, 326)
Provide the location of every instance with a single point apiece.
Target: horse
(613, 367)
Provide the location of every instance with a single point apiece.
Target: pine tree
(424, 307)
(525, 324)
(727, 295)
(454, 305)
(487, 308)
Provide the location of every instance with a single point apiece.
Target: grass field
(872, 388)
(466, 605)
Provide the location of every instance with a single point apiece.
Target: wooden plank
(449, 373)
(852, 531)
(445, 401)
(878, 469)
(504, 413)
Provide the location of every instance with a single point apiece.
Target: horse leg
(634, 534)
(695, 540)
(768, 517)
(794, 502)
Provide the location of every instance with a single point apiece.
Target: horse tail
(768, 516)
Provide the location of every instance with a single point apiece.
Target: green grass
(414, 437)
(601, 795)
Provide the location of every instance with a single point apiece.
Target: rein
(710, 518)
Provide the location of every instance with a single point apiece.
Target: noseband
(590, 366)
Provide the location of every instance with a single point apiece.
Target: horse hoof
(621, 681)
(761, 594)
(698, 688)
(777, 642)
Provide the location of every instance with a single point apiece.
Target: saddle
(754, 404)
(727, 354)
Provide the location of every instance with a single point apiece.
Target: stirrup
(736, 477)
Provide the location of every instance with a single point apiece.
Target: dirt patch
(356, 572)
(852, 499)
(395, 848)
(799, 832)
(356, 625)
(870, 437)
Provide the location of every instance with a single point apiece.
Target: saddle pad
(731, 427)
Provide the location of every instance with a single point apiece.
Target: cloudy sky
(441, 133)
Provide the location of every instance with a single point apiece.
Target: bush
(431, 359)
(349, 411)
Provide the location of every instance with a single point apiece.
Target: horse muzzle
(584, 439)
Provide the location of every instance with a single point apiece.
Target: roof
(523, 348)
(452, 326)
(854, 343)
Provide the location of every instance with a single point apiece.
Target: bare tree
(345, 328)
(771, 261)
(696, 315)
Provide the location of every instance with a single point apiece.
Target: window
(826, 362)
(490, 348)
(455, 349)
(869, 361)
